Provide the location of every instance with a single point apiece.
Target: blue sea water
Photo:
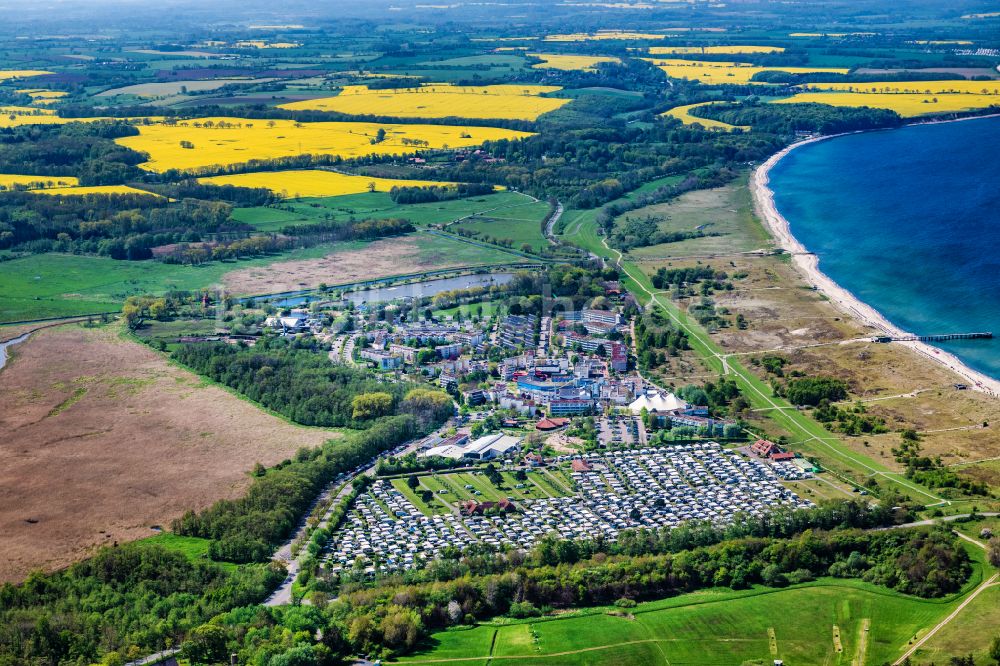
(908, 220)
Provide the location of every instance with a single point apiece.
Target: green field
(726, 210)
(56, 285)
(966, 634)
(488, 309)
(194, 548)
(61, 285)
(536, 487)
(521, 224)
(717, 626)
(379, 205)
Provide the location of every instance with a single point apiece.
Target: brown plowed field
(101, 438)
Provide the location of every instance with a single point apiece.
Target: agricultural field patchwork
(41, 96)
(218, 142)
(509, 102)
(316, 183)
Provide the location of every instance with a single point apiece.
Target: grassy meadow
(712, 627)
(63, 285)
(378, 205)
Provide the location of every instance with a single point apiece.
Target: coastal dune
(807, 264)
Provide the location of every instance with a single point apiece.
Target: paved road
(551, 224)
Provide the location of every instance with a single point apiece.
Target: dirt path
(992, 580)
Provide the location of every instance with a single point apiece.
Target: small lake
(379, 294)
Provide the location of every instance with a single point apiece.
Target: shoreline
(807, 264)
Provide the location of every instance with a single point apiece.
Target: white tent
(657, 402)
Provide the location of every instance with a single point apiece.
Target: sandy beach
(808, 265)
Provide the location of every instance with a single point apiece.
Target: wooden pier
(934, 338)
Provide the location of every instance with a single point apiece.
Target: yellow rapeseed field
(734, 49)
(222, 141)
(962, 86)
(570, 62)
(904, 104)
(9, 74)
(41, 96)
(95, 189)
(9, 180)
(314, 182)
(15, 116)
(716, 73)
(682, 114)
(509, 102)
(603, 35)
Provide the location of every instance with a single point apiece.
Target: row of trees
(558, 574)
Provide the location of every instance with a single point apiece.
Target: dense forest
(301, 385)
(84, 150)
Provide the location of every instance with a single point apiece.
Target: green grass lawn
(378, 205)
(726, 210)
(63, 285)
(194, 548)
(718, 626)
(485, 310)
(521, 224)
(969, 633)
(434, 508)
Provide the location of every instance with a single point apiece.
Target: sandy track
(101, 438)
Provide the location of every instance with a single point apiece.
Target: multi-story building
(409, 354)
(619, 357)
